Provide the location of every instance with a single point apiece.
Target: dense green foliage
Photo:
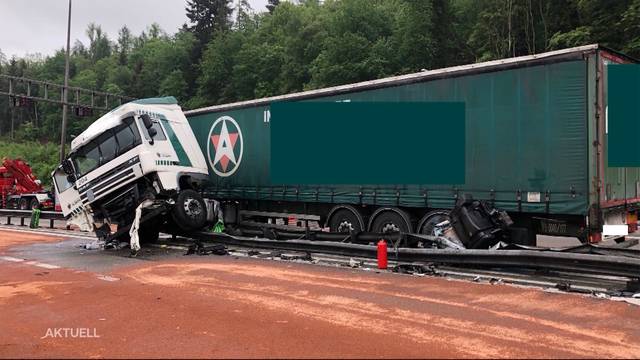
(227, 52)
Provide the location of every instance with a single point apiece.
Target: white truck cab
(142, 150)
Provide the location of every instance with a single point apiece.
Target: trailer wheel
(35, 204)
(431, 219)
(387, 220)
(345, 218)
(190, 211)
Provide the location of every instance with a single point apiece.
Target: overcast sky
(40, 26)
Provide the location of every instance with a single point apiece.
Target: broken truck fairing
(143, 150)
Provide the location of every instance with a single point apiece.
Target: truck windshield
(111, 144)
(86, 158)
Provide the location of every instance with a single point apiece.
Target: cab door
(68, 196)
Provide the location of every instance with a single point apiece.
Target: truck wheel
(387, 220)
(345, 218)
(431, 219)
(190, 211)
(35, 204)
(24, 205)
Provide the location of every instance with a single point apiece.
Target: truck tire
(389, 220)
(431, 219)
(190, 211)
(344, 219)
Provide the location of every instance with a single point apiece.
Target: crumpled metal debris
(133, 231)
(296, 256)
(355, 263)
(95, 245)
(115, 244)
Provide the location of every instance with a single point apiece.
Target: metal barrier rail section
(586, 258)
(623, 262)
(10, 214)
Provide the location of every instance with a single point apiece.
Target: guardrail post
(51, 221)
(8, 220)
(22, 221)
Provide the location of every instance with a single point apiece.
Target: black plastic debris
(201, 249)
(478, 225)
(415, 269)
(296, 256)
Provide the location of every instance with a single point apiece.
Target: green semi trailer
(536, 141)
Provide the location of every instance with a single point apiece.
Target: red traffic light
(18, 101)
(83, 111)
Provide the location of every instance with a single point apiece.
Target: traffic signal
(83, 111)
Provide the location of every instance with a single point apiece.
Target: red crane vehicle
(20, 189)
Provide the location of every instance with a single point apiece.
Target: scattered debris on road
(201, 249)
(416, 269)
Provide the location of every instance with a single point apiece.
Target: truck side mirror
(67, 167)
(146, 120)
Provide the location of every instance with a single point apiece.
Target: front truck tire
(190, 211)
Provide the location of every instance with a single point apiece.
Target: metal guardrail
(626, 266)
(10, 214)
(599, 260)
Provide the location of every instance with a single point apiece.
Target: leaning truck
(536, 147)
(141, 152)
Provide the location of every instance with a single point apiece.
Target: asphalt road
(164, 304)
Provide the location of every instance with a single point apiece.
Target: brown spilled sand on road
(10, 238)
(204, 307)
(40, 289)
(475, 320)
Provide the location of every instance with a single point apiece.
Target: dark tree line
(228, 52)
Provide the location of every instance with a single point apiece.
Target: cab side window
(127, 136)
(159, 131)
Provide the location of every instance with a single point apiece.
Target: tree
(243, 14)
(207, 17)
(272, 4)
(630, 23)
(125, 44)
(99, 45)
(358, 45)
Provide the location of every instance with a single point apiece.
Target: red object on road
(382, 254)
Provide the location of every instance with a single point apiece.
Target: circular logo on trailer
(225, 146)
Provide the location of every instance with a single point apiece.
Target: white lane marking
(10, 258)
(42, 265)
(47, 266)
(107, 278)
